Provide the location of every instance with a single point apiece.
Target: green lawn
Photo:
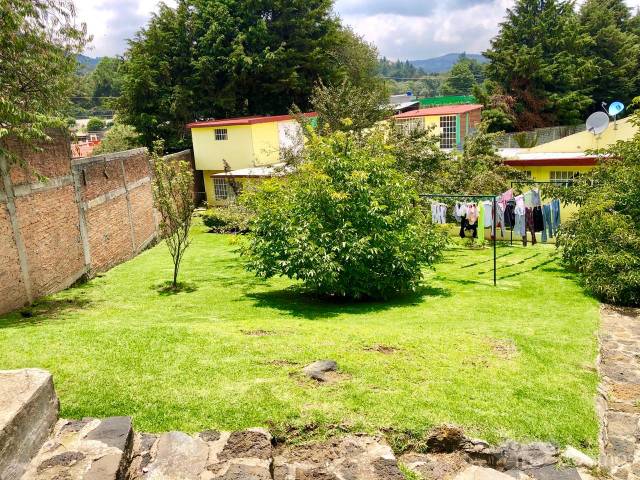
(514, 361)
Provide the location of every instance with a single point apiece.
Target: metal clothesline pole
(493, 228)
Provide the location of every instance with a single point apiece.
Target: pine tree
(539, 58)
(461, 79)
(615, 49)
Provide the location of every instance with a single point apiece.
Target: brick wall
(87, 216)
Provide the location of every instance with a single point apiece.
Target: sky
(401, 29)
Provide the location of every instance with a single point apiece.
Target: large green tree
(39, 41)
(221, 58)
(615, 49)
(540, 58)
(461, 79)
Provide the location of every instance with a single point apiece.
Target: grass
(512, 361)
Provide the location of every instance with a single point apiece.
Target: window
(220, 188)
(221, 134)
(561, 176)
(528, 174)
(408, 125)
(448, 131)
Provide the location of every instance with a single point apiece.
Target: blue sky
(414, 29)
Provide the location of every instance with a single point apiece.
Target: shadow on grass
(299, 302)
(168, 288)
(44, 310)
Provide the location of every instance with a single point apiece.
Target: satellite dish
(597, 123)
(616, 108)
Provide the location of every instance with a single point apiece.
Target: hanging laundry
(520, 202)
(547, 231)
(500, 220)
(472, 213)
(555, 215)
(488, 213)
(505, 198)
(459, 211)
(538, 219)
(535, 197)
(519, 225)
(509, 214)
(529, 224)
(438, 213)
(466, 226)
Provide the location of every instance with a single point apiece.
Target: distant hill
(445, 62)
(88, 63)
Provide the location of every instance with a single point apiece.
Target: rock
(28, 412)
(348, 458)
(210, 435)
(318, 370)
(66, 459)
(524, 457)
(252, 443)
(445, 439)
(550, 472)
(578, 458)
(481, 473)
(113, 431)
(178, 456)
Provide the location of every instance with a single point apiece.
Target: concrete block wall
(86, 216)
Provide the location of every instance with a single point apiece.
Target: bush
(229, 219)
(345, 223)
(603, 241)
(95, 124)
(119, 138)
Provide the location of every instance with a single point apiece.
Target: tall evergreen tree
(221, 58)
(615, 49)
(539, 58)
(461, 79)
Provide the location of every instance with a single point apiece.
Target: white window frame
(448, 131)
(409, 125)
(220, 188)
(563, 175)
(221, 134)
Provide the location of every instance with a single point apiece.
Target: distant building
(567, 157)
(403, 103)
(453, 122)
(239, 144)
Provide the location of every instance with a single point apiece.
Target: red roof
(446, 110)
(227, 122)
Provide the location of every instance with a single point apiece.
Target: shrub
(94, 124)
(344, 223)
(229, 219)
(602, 241)
(120, 137)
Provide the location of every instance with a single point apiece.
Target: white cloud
(414, 29)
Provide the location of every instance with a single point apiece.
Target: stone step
(28, 412)
(87, 449)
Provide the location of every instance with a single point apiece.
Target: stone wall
(86, 216)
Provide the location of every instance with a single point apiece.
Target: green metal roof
(448, 100)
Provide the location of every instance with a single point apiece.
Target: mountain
(445, 62)
(87, 64)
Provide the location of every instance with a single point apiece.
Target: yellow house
(566, 158)
(239, 144)
(452, 123)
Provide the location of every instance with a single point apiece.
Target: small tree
(120, 137)
(95, 124)
(173, 196)
(345, 222)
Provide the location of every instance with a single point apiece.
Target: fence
(89, 215)
(539, 136)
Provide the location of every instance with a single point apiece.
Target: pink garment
(505, 197)
(520, 202)
(472, 213)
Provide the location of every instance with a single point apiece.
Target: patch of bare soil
(258, 333)
(385, 349)
(504, 348)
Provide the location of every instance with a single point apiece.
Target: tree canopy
(539, 57)
(38, 44)
(206, 59)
